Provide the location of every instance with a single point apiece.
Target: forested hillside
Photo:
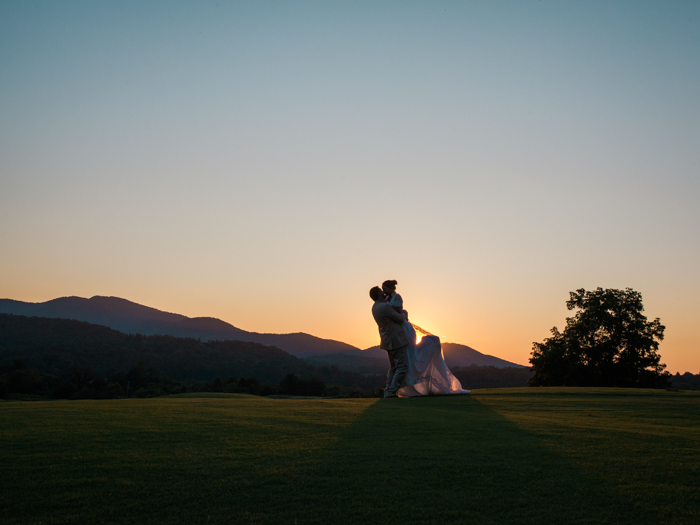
(54, 346)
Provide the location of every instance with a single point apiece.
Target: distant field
(546, 455)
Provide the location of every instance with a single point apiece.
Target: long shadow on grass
(443, 460)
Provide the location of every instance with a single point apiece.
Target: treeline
(475, 376)
(685, 381)
(18, 382)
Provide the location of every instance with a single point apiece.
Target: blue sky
(267, 162)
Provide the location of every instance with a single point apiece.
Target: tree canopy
(608, 342)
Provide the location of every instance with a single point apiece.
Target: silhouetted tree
(141, 376)
(25, 382)
(249, 385)
(217, 385)
(609, 342)
(80, 377)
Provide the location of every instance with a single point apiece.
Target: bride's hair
(390, 284)
(374, 293)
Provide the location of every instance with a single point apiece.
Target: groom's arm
(394, 315)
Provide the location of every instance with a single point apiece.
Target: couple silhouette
(415, 369)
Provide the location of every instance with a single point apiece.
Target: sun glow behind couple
(419, 332)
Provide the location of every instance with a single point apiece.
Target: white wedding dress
(427, 371)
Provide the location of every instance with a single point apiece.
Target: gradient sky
(266, 163)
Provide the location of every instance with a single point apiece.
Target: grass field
(496, 456)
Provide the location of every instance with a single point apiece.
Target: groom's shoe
(390, 394)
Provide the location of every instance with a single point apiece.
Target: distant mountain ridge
(133, 318)
(455, 355)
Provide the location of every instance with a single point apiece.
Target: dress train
(427, 371)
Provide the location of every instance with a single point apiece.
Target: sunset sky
(266, 163)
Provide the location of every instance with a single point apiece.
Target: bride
(427, 371)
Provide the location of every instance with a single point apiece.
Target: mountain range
(455, 355)
(133, 318)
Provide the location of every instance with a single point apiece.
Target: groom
(393, 340)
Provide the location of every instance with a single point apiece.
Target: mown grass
(496, 456)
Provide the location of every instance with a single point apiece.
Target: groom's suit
(394, 341)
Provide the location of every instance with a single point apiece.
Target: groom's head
(376, 293)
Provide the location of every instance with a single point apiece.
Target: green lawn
(497, 456)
